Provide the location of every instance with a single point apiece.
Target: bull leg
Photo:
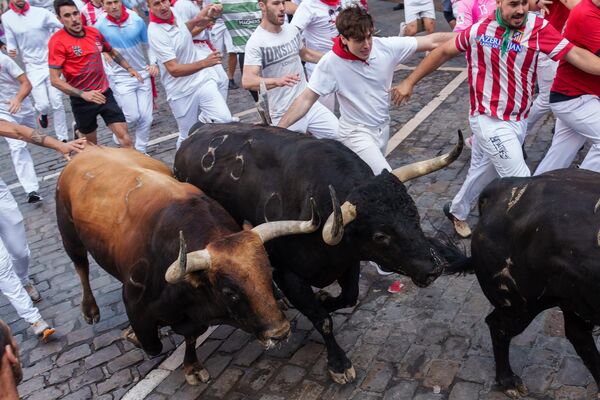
(78, 254)
(504, 324)
(349, 295)
(194, 372)
(300, 294)
(144, 327)
(579, 333)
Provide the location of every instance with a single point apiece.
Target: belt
(206, 42)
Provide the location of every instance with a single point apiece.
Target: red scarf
(155, 19)
(19, 10)
(332, 3)
(340, 51)
(124, 16)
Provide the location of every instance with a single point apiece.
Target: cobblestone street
(422, 344)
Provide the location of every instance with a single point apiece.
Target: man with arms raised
(502, 52)
(188, 90)
(273, 54)
(76, 52)
(359, 70)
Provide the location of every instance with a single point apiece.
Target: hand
(73, 146)
(543, 6)
(213, 59)
(14, 105)
(135, 74)
(12, 53)
(214, 11)
(287, 80)
(401, 93)
(152, 70)
(94, 96)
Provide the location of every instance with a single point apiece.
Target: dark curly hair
(354, 23)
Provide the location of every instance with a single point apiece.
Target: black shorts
(449, 15)
(86, 113)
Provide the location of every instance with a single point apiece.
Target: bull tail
(464, 266)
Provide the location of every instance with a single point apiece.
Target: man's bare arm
(62, 85)
(251, 79)
(178, 70)
(433, 41)
(204, 19)
(583, 59)
(299, 108)
(310, 55)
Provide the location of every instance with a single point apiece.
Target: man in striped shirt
(502, 53)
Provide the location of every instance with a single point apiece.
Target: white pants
(328, 100)
(495, 152)
(48, 98)
(369, 143)
(19, 152)
(14, 257)
(577, 120)
(319, 121)
(546, 71)
(221, 38)
(217, 72)
(416, 9)
(135, 99)
(210, 102)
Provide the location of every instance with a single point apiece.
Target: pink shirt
(469, 12)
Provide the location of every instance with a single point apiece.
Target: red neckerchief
(155, 19)
(124, 16)
(19, 10)
(173, 3)
(340, 51)
(364, 4)
(91, 8)
(331, 3)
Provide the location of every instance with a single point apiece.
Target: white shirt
(9, 85)
(363, 87)
(188, 10)
(29, 35)
(278, 55)
(92, 13)
(316, 20)
(174, 42)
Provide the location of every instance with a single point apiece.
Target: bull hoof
(514, 387)
(322, 295)
(129, 335)
(197, 376)
(91, 315)
(598, 396)
(345, 377)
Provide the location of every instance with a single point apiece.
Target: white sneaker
(235, 119)
(42, 329)
(402, 28)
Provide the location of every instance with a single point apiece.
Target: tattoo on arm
(38, 137)
(118, 58)
(74, 92)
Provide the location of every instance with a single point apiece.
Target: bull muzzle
(271, 337)
(438, 267)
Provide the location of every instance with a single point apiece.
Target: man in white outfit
(188, 90)
(273, 55)
(360, 69)
(16, 107)
(188, 9)
(27, 32)
(14, 251)
(125, 31)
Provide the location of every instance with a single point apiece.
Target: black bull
(265, 173)
(537, 246)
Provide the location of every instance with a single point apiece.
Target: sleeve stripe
(561, 49)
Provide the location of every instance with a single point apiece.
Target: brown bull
(131, 215)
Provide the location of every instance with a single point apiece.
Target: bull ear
(247, 226)
(425, 167)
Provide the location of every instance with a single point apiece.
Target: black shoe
(43, 120)
(64, 140)
(34, 197)
(524, 152)
(399, 6)
(233, 85)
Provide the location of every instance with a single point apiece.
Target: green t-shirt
(241, 18)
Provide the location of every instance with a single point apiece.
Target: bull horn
(271, 230)
(425, 167)
(333, 230)
(197, 260)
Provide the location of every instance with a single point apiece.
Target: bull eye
(381, 238)
(231, 295)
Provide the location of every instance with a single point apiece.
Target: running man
(502, 52)
(16, 107)
(575, 97)
(273, 55)
(359, 69)
(181, 70)
(415, 10)
(27, 32)
(76, 52)
(92, 11)
(125, 31)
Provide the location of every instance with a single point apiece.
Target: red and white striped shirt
(502, 87)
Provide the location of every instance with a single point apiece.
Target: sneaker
(42, 120)
(74, 131)
(399, 6)
(402, 28)
(34, 197)
(232, 85)
(33, 293)
(380, 270)
(235, 119)
(461, 227)
(42, 330)
(469, 142)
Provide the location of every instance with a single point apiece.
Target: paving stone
(101, 356)
(61, 374)
(307, 354)
(43, 351)
(537, 378)
(38, 368)
(76, 353)
(465, 390)
(53, 392)
(31, 386)
(441, 373)
(478, 369)
(307, 390)
(115, 381)
(171, 383)
(225, 382)
(286, 349)
(248, 354)
(90, 376)
(573, 372)
(130, 358)
(402, 390)
(82, 394)
(570, 393)
(216, 364)
(378, 377)
(107, 338)
(236, 341)
(255, 378)
(287, 378)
